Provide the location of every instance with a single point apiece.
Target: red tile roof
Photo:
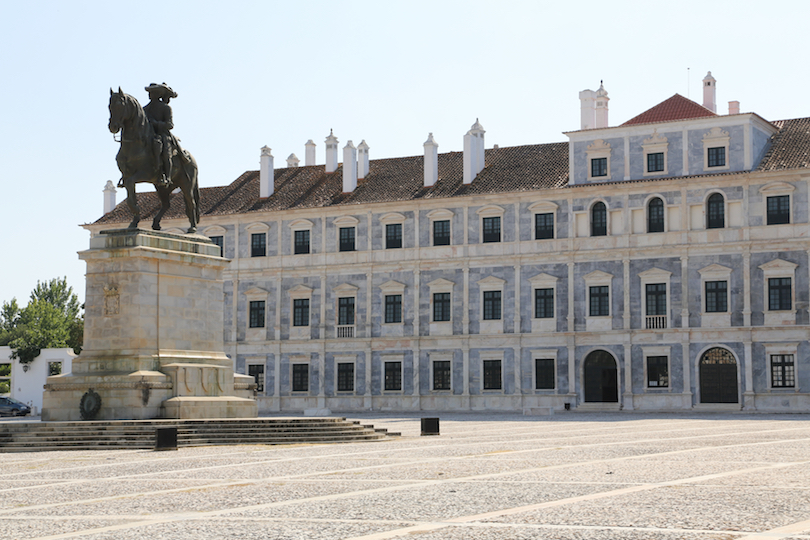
(675, 108)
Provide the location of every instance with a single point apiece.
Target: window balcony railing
(345, 331)
(656, 322)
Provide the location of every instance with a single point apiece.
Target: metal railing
(655, 322)
(345, 331)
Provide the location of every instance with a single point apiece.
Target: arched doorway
(718, 377)
(599, 378)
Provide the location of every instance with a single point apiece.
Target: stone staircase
(140, 434)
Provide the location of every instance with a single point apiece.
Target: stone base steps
(140, 434)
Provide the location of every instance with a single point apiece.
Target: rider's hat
(164, 88)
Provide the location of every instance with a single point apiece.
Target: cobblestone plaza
(569, 476)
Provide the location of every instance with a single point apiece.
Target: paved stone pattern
(567, 477)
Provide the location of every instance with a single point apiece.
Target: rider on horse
(160, 116)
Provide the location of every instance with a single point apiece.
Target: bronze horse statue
(138, 163)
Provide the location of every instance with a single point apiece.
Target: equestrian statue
(151, 153)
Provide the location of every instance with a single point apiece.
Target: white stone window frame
(715, 272)
(489, 284)
(598, 323)
(593, 203)
(441, 357)
(258, 362)
(716, 138)
(544, 354)
(647, 212)
(543, 281)
(492, 355)
(440, 214)
(726, 215)
(345, 290)
(216, 230)
(302, 225)
(656, 144)
(392, 357)
(488, 211)
(651, 277)
(346, 359)
(779, 268)
(301, 359)
(300, 292)
(596, 150)
(782, 348)
(256, 294)
(344, 222)
(392, 218)
(661, 350)
(441, 328)
(776, 189)
(258, 228)
(388, 288)
(543, 207)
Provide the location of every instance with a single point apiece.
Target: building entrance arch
(600, 378)
(718, 377)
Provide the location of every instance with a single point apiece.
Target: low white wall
(26, 386)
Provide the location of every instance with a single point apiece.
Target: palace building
(656, 265)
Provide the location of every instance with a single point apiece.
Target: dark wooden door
(601, 385)
(718, 377)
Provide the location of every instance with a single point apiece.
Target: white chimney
(431, 161)
(109, 197)
(473, 152)
(733, 107)
(266, 173)
(362, 159)
(331, 153)
(600, 115)
(349, 167)
(293, 161)
(710, 92)
(309, 153)
(587, 99)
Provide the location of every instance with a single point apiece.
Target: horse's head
(119, 110)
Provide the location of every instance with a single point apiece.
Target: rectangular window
(345, 377)
(544, 303)
(346, 311)
(716, 297)
(5, 378)
(783, 371)
(778, 210)
(544, 374)
(492, 375)
(441, 233)
(779, 294)
(54, 368)
(543, 226)
(717, 156)
(347, 239)
(492, 305)
(300, 378)
(441, 307)
(657, 372)
(257, 372)
(258, 245)
(393, 236)
(492, 229)
(301, 242)
(393, 308)
(393, 375)
(441, 375)
(599, 167)
(219, 241)
(600, 301)
(656, 298)
(655, 162)
(257, 314)
(301, 312)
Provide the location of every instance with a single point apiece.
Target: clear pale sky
(274, 73)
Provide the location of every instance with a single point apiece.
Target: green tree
(51, 319)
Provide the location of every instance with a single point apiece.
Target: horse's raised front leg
(164, 194)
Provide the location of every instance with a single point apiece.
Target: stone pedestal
(153, 333)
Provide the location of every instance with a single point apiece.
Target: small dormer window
(716, 149)
(717, 156)
(598, 154)
(655, 162)
(598, 167)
